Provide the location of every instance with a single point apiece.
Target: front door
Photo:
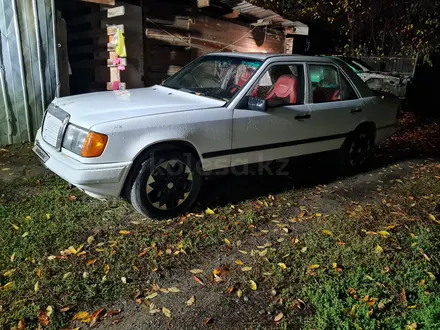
(280, 131)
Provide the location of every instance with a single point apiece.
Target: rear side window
(326, 86)
(348, 93)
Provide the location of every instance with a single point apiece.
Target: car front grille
(54, 125)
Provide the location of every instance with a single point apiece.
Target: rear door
(336, 106)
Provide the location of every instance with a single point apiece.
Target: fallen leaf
(25, 234)
(227, 241)
(166, 312)
(242, 251)
(209, 211)
(151, 296)
(314, 266)
(209, 320)
(90, 240)
(9, 273)
(402, 297)
(198, 280)
(239, 262)
(432, 218)
(196, 271)
(106, 268)
(190, 301)
(12, 257)
(378, 249)
(412, 307)
(91, 262)
(327, 232)
(173, 289)
(431, 275)
(252, 285)
(43, 319)
(94, 318)
(384, 233)
(304, 249)
(239, 293)
(65, 309)
(37, 286)
(66, 275)
(412, 326)
(72, 198)
(124, 279)
(83, 317)
(278, 317)
(124, 232)
(318, 215)
(282, 265)
(246, 269)
(21, 325)
(15, 226)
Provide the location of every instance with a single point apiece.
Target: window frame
(267, 68)
(340, 72)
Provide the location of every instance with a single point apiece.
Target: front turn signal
(94, 145)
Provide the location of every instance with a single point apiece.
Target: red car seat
(284, 91)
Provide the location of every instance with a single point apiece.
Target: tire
(166, 185)
(356, 149)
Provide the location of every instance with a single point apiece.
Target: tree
(370, 27)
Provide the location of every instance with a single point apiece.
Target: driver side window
(281, 85)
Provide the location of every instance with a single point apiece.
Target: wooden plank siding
(177, 34)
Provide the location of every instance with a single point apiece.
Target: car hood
(90, 109)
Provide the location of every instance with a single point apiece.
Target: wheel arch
(162, 146)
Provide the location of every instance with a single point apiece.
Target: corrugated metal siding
(27, 67)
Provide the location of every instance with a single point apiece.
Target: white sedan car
(153, 145)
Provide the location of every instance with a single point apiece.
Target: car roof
(265, 56)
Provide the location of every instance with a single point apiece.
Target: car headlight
(83, 142)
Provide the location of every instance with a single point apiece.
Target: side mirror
(255, 103)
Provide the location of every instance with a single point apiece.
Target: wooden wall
(176, 34)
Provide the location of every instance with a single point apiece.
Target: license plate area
(40, 153)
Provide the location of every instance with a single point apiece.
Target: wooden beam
(202, 3)
(102, 2)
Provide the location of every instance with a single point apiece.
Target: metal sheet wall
(28, 67)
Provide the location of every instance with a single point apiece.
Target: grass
(365, 265)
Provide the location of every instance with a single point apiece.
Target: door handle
(355, 110)
(299, 117)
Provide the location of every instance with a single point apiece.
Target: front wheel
(356, 150)
(167, 185)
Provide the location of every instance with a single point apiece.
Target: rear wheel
(356, 149)
(167, 185)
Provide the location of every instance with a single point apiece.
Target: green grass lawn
(369, 264)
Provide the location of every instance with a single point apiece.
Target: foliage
(370, 27)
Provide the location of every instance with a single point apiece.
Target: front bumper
(97, 180)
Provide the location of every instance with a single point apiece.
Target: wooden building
(161, 37)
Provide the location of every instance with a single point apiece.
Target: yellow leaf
(282, 265)
(166, 312)
(242, 251)
(83, 317)
(28, 217)
(15, 227)
(431, 275)
(239, 293)
(72, 250)
(278, 317)
(9, 273)
(412, 326)
(304, 249)
(48, 216)
(49, 311)
(190, 301)
(124, 232)
(91, 262)
(37, 286)
(263, 253)
(106, 269)
(25, 234)
(196, 271)
(384, 233)
(173, 289)
(12, 257)
(239, 262)
(318, 215)
(432, 218)
(252, 285)
(334, 265)
(66, 275)
(379, 249)
(314, 266)
(246, 269)
(90, 240)
(7, 286)
(327, 232)
(209, 211)
(151, 296)
(227, 241)
(124, 279)
(412, 307)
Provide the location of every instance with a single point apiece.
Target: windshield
(219, 77)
